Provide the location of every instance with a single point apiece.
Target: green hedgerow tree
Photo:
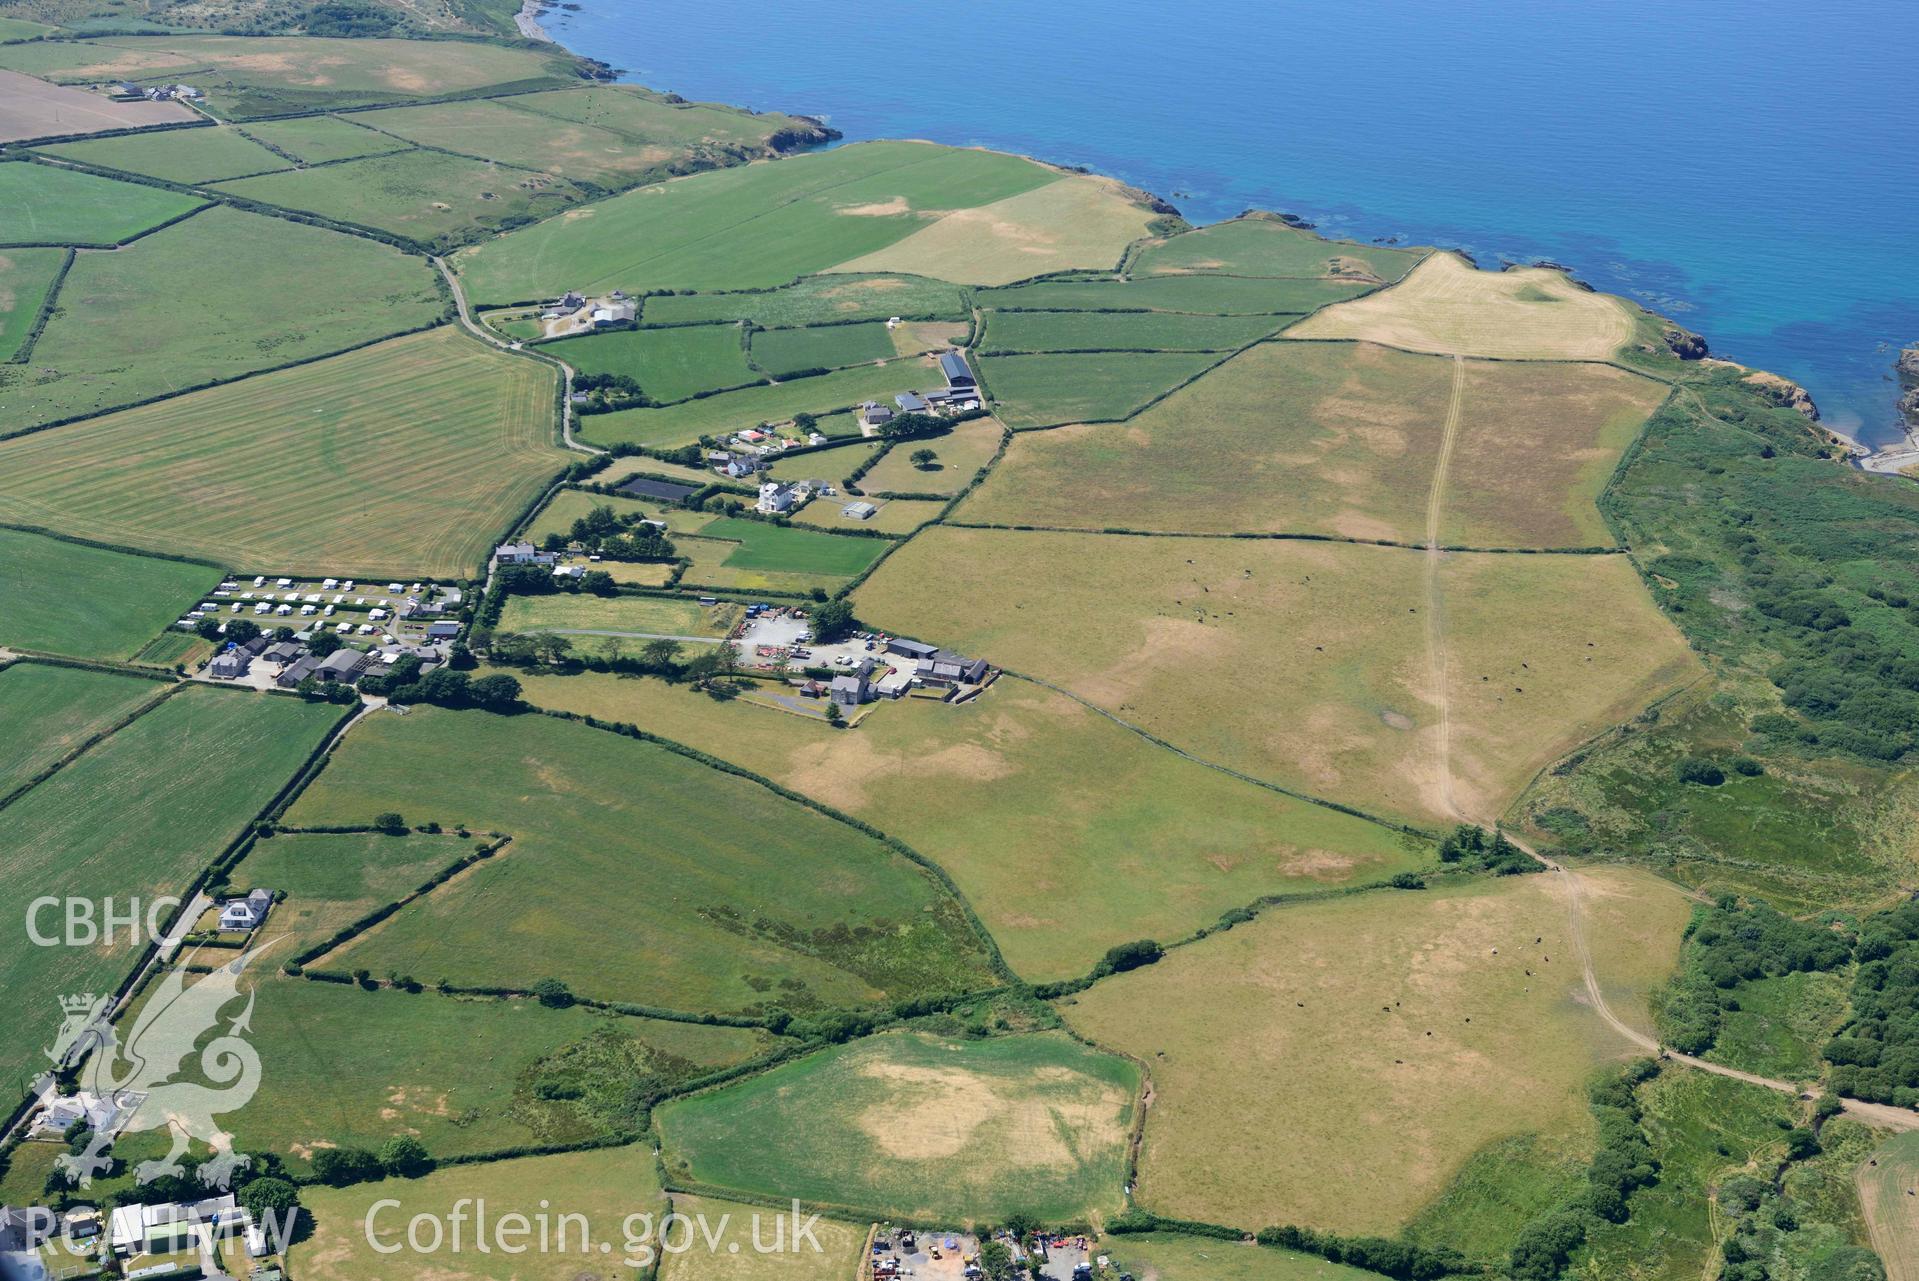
(405, 1156)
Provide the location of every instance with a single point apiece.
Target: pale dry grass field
(605, 1186)
(1284, 437)
(1446, 305)
(1340, 439)
(1305, 663)
(1076, 222)
(1537, 444)
(1335, 1064)
(728, 1249)
(1885, 1196)
(959, 455)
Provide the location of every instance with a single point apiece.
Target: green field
(831, 1253)
(46, 712)
(1293, 1085)
(171, 647)
(782, 352)
(727, 895)
(568, 505)
(222, 294)
(612, 136)
(1201, 295)
(782, 549)
(1263, 247)
(912, 1125)
(21, 29)
(748, 227)
(49, 205)
(635, 616)
(605, 1187)
(961, 453)
(404, 457)
(333, 879)
(1043, 331)
(279, 75)
(1540, 652)
(26, 278)
(137, 816)
(641, 113)
(669, 364)
(991, 791)
(735, 410)
(319, 140)
(429, 197)
(343, 1066)
(815, 300)
(88, 602)
(1042, 391)
(1161, 1256)
(832, 465)
(186, 156)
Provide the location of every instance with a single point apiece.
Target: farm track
(1869, 1113)
(481, 332)
(1435, 594)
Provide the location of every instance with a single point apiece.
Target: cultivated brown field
(31, 108)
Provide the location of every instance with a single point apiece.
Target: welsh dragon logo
(135, 1080)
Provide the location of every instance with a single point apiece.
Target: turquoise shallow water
(1751, 169)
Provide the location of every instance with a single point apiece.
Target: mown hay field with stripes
(46, 712)
(405, 457)
(219, 295)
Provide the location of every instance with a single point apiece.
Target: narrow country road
(486, 335)
(1447, 803)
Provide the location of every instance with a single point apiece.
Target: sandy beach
(528, 21)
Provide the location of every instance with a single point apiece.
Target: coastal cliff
(1784, 392)
(1908, 367)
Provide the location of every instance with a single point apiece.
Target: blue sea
(1749, 169)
